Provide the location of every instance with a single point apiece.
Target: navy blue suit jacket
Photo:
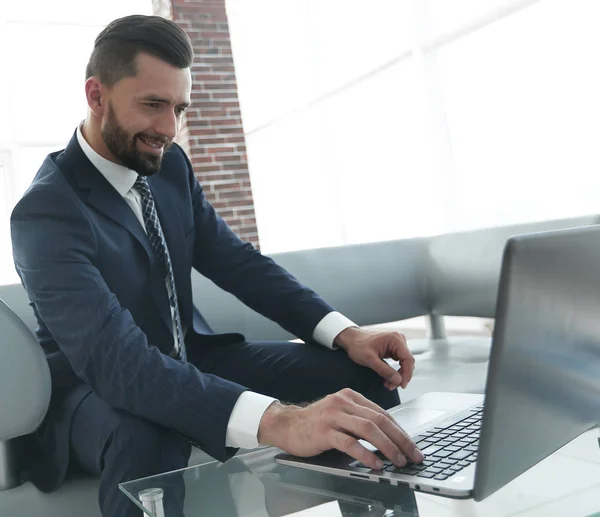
(99, 295)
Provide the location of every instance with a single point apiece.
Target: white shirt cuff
(242, 429)
(329, 327)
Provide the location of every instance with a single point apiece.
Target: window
(41, 89)
(400, 118)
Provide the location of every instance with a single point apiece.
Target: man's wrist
(272, 424)
(346, 336)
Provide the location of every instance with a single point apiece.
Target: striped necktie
(159, 245)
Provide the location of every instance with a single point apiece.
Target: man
(104, 241)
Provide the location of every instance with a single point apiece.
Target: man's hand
(369, 348)
(336, 422)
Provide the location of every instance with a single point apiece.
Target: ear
(95, 93)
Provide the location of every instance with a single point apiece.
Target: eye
(179, 111)
(154, 105)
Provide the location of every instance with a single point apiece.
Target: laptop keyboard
(448, 448)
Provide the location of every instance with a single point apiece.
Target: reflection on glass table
(254, 485)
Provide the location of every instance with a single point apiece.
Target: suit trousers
(118, 446)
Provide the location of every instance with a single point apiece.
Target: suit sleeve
(54, 246)
(256, 280)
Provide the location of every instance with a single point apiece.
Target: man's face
(144, 113)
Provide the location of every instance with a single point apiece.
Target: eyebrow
(155, 98)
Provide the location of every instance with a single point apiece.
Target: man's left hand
(369, 348)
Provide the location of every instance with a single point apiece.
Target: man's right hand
(337, 422)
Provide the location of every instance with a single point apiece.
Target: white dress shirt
(242, 428)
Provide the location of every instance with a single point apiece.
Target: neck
(93, 136)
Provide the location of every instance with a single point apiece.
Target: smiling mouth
(154, 144)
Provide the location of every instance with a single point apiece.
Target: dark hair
(119, 43)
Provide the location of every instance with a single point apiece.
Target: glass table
(253, 485)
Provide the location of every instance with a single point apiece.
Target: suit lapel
(99, 193)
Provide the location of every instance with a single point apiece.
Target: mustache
(161, 139)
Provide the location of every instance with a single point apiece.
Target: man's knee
(149, 446)
(371, 385)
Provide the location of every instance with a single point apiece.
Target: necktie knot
(141, 184)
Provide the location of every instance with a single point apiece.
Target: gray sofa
(447, 275)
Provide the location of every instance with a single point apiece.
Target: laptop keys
(460, 455)
(430, 450)
(443, 454)
(420, 438)
(408, 472)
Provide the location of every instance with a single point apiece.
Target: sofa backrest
(463, 268)
(453, 274)
(368, 283)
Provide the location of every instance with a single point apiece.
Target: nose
(168, 125)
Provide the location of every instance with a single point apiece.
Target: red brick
(236, 167)
(229, 158)
(234, 194)
(223, 68)
(239, 202)
(244, 212)
(204, 168)
(202, 142)
(202, 159)
(220, 150)
(230, 96)
(235, 139)
(203, 132)
(233, 121)
(214, 132)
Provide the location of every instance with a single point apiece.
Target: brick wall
(213, 134)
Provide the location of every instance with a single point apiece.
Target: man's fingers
(401, 353)
(346, 443)
(384, 370)
(393, 432)
(367, 429)
(361, 400)
(407, 373)
(365, 408)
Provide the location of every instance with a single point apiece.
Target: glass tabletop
(253, 485)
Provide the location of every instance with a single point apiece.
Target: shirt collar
(121, 178)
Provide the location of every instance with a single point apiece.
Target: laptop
(543, 386)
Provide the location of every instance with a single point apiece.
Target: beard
(122, 145)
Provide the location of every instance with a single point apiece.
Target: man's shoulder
(48, 183)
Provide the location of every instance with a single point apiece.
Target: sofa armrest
(24, 377)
